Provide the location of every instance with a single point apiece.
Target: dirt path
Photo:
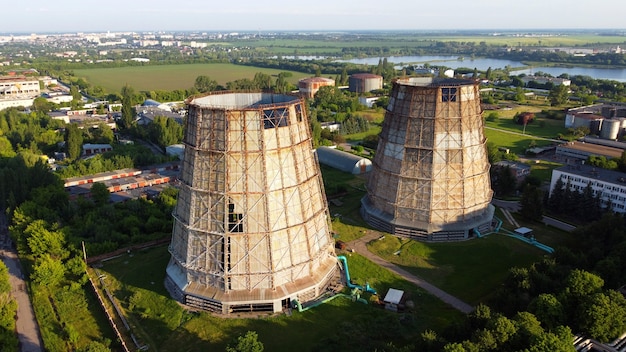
(360, 246)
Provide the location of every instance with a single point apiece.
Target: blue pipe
(367, 287)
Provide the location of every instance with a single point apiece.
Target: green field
(172, 77)
(471, 270)
(416, 40)
(157, 320)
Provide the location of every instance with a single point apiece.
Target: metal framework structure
(430, 176)
(251, 225)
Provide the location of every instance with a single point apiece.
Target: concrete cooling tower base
(257, 300)
(454, 231)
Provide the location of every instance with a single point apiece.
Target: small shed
(392, 299)
(524, 231)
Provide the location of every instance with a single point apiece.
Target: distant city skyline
(38, 16)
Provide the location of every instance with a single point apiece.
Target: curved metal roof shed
(343, 161)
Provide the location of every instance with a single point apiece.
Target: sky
(41, 16)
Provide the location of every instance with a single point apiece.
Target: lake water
(482, 64)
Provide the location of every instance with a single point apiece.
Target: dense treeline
(48, 228)
(8, 311)
(541, 307)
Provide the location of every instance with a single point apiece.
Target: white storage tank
(610, 129)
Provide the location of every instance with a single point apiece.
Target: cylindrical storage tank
(610, 129)
(608, 112)
(251, 225)
(594, 126)
(430, 175)
(364, 82)
(309, 86)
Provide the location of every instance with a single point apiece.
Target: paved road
(360, 247)
(26, 324)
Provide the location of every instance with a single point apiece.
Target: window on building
(448, 94)
(273, 118)
(235, 223)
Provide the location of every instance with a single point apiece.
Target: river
(482, 64)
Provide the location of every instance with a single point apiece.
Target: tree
(282, 86)
(489, 74)
(548, 309)
(205, 84)
(100, 193)
(73, 141)
(75, 93)
(6, 148)
(558, 95)
(602, 316)
(247, 343)
(559, 341)
(104, 134)
(580, 283)
(524, 118)
(41, 104)
(622, 162)
(128, 115)
(557, 196)
(532, 203)
(42, 241)
(48, 271)
(262, 80)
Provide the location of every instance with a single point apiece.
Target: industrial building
(343, 161)
(12, 87)
(518, 170)
(309, 86)
(18, 91)
(430, 175)
(608, 120)
(251, 225)
(364, 82)
(609, 185)
(574, 152)
(124, 184)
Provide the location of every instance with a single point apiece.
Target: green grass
(172, 77)
(403, 40)
(160, 322)
(471, 270)
(543, 169)
(516, 143)
(541, 127)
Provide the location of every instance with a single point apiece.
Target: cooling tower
(430, 175)
(251, 226)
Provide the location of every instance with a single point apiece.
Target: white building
(609, 185)
(19, 88)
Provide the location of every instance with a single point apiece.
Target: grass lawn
(543, 170)
(516, 143)
(471, 270)
(137, 282)
(402, 40)
(172, 77)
